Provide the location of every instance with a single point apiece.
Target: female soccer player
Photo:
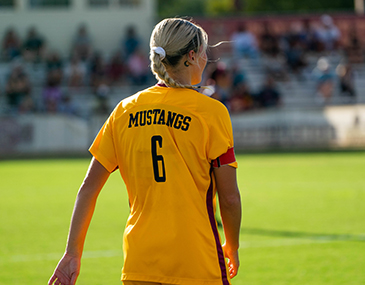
(173, 147)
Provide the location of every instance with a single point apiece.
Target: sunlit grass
(303, 220)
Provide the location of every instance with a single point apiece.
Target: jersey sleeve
(227, 158)
(221, 143)
(103, 148)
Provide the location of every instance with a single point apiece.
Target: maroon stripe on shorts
(220, 255)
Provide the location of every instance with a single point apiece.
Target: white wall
(331, 128)
(43, 134)
(58, 25)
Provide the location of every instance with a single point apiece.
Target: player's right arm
(68, 268)
(230, 207)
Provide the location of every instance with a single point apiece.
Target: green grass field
(303, 220)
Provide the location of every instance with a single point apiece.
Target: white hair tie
(160, 51)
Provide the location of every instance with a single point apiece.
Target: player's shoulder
(205, 100)
(130, 101)
(212, 105)
(202, 104)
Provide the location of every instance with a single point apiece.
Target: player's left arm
(68, 268)
(230, 208)
(224, 168)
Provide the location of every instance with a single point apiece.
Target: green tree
(219, 7)
(171, 8)
(255, 6)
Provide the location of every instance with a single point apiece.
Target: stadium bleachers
(296, 93)
(301, 94)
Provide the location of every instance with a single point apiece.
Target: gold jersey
(163, 141)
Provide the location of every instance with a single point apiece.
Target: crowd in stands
(64, 76)
(283, 55)
(231, 87)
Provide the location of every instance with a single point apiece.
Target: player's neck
(182, 78)
(180, 74)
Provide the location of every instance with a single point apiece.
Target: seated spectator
(81, 44)
(328, 33)
(138, 69)
(52, 94)
(221, 80)
(269, 42)
(295, 57)
(116, 69)
(130, 43)
(18, 91)
(54, 65)
(294, 49)
(102, 99)
(75, 72)
(97, 70)
(347, 81)
(238, 75)
(268, 96)
(33, 46)
(241, 99)
(66, 106)
(11, 46)
(54, 61)
(309, 37)
(100, 84)
(244, 43)
(354, 50)
(325, 79)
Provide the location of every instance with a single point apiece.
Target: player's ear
(191, 57)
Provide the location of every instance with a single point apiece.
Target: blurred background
(291, 73)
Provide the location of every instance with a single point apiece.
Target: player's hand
(233, 260)
(66, 272)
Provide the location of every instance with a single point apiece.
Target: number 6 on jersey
(157, 158)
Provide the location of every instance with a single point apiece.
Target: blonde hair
(177, 37)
